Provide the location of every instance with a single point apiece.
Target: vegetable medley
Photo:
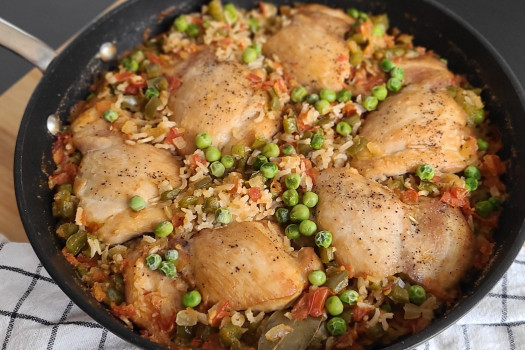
(292, 178)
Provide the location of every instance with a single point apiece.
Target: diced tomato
(313, 173)
(311, 303)
(98, 275)
(483, 253)
(86, 260)
(410, 196)
(126, 310)
(123, 76)
(280, 86)
(131, 90)
(197, 159)
(177, 220)
(103, 105)
(153, 58)
(213, 343)
(493, 164)
(254, 193)
(62, 178)
(172, 134)
(254, 78)
(174, 83)
(359, 313)
(221, 313)
(342, 58)
(455, 197)
(70, 257)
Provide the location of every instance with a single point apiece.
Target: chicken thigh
(377, 234)
(312, 48)
(419, 125)
(249, 265)
(217, 97)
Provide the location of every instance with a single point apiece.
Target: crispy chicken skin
(312, 48)
(377, 234)
(217, 97)
(155, 298)
(249, 265)
(108, 178)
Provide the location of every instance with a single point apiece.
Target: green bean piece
(211, 204)
(359, 145)
(317, 277)
(290, 125)
(193, 30)
(229, 335)
(398, 294)
(238, 151)
(275, 103)
(304, 148)
(110, 115)
(215, 10)
(185, 332)
(76, 242)
(169, 195)
(192, 299)
(152, 70)
(327, 254)
(66, 230)
(180, 23)
(230, 13)
(187, 201)
(150, 110)
(205, 182)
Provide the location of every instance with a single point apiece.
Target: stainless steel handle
(27, 46)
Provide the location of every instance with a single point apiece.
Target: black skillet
(68, 77)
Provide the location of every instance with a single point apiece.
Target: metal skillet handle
(25, 45)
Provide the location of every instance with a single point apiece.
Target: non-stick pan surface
(69, 76)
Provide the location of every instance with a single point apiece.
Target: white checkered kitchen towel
(36, 314)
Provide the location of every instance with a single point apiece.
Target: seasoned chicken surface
(312, 48)
(155, 298)
(249, 265)
(416, 126)
(426, 70)
(217, 97)
(92, 132)
(108, 178)
(377, 234)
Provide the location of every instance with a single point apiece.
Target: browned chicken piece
(248, 265)
(312, 48)
(374, 233)
(426, 70)
(155, 298)
(92, 132)
(217, 97)
(416, 126)
(107, 178)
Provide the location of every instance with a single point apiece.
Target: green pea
(203, 140)
(349, 297)
(253, 24)
(472, 171)
(322, 106)
(137, 203)
(227, 161)
(471, 184)
(193, 30)
(217, 169)
(163, 229)
(292, 231)
(380, 92)
(317, 277)
(484, 208)
(299, 213)
(282, 215)
(76, 242)
(257, 48)
(334, 305)
(269, 170)
(168, 268)
(354, 13)
(307, 227)
(298, 94)
(317, 140)
(310, 199)
(138, 56)
(336, 326)
(287, 150)
(323, 239)
(344, 96)
(378, 30)
(397, 73)
(312, 98)
(292, 181)
(130, 64)
(153, 261)
(270, 150)
(212, 154)
(482, 145)
(496, 203)
(171, 255)
(259, 161)
(230, 13)
(328, 95)
(192, 299)
(394, 84)
(416, 294)
(370, 103)
(223, 216)
(290, 197)
(387, 65)
(425, 172)
(110, 115)
(150, 92)
(343, 128)
(479, 116)
(180, 23)
(249, 55)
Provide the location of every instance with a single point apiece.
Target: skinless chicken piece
(377, 234)
(108, 178)
(312, 48)
(426, 70)
(248, 264)
(155, 298)
(92, 132)
(217, 97)
(416, 126)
